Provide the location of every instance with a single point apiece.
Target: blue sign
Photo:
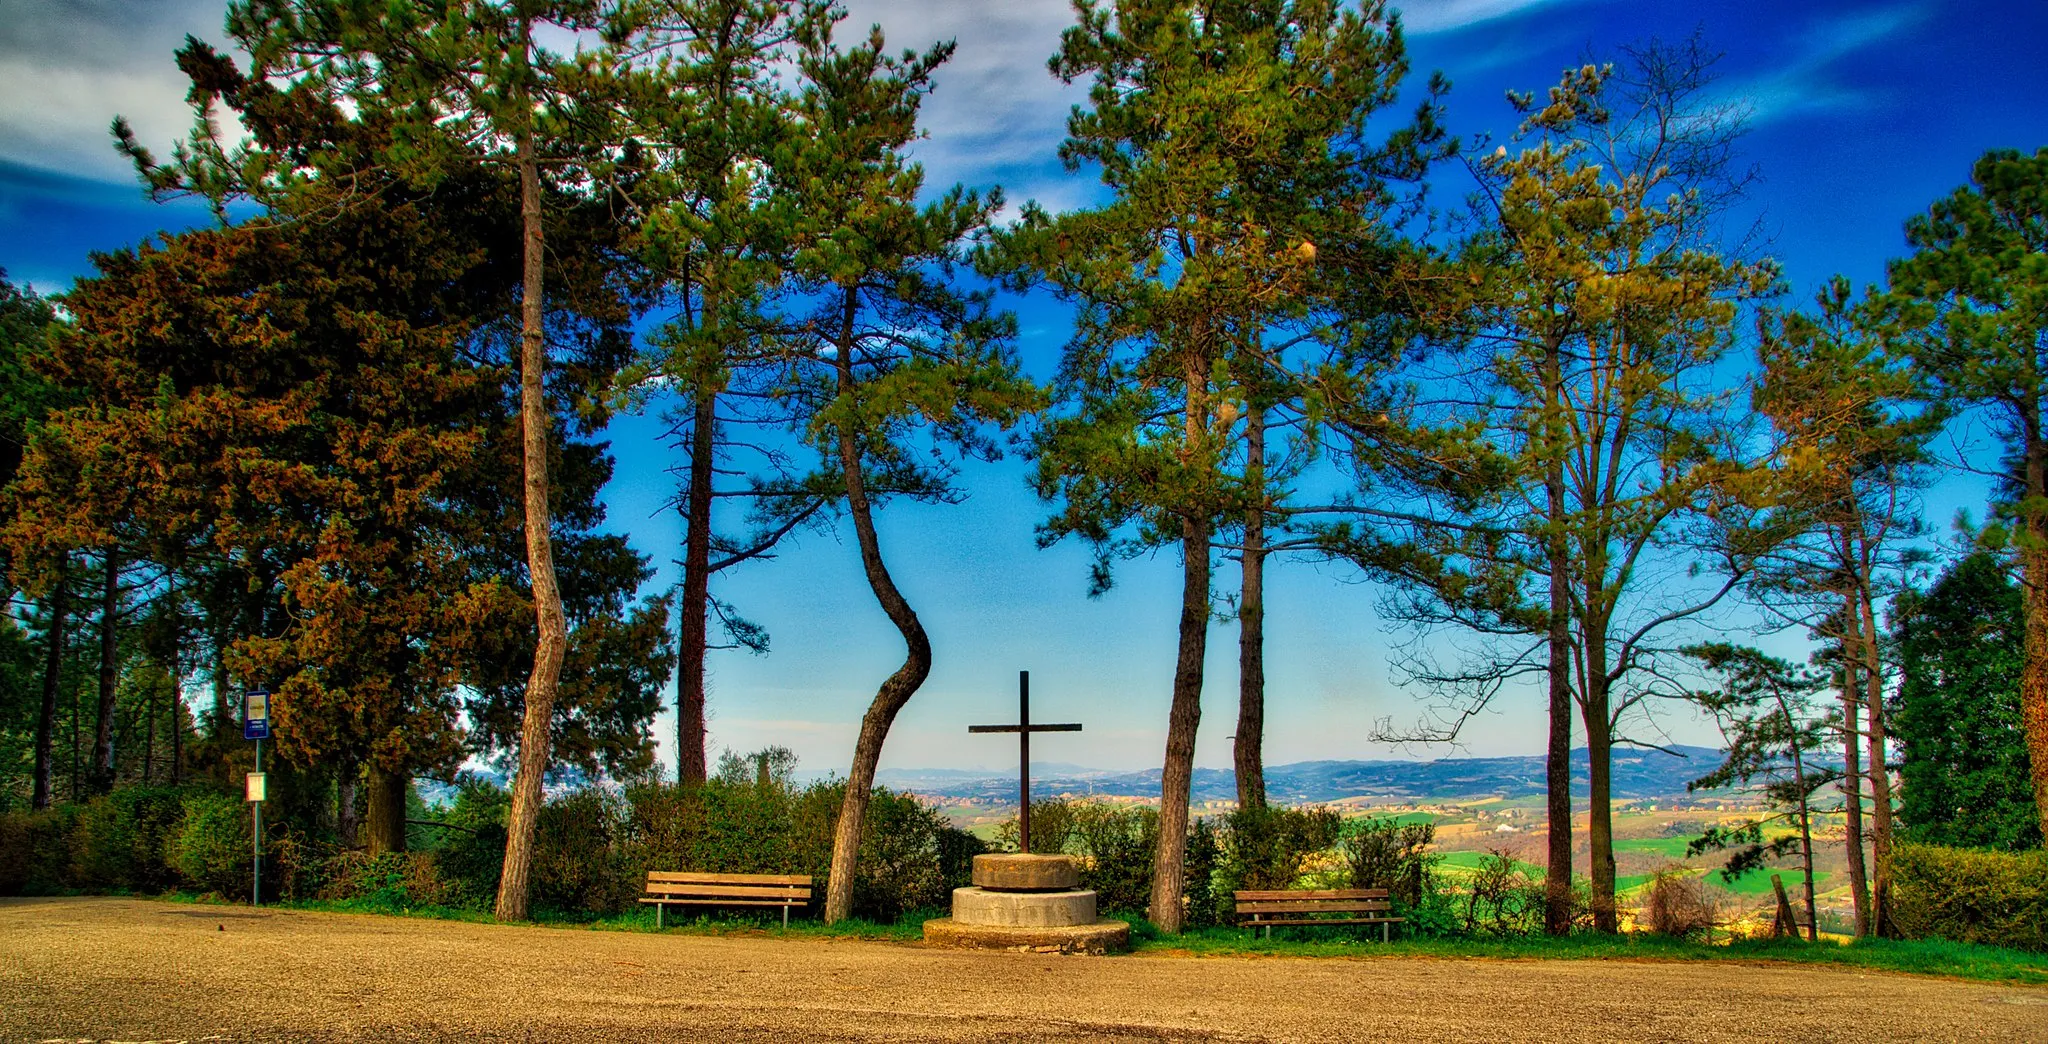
(256, 714)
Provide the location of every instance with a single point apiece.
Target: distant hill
(1638, 775)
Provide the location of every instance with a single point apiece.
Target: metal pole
(256, 841)
(1024, 756)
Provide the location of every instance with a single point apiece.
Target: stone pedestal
(1027, 902)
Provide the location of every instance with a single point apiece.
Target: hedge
(1971, 895)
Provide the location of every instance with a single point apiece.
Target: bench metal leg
(1383, 931)
(657, 915)
(785, 916)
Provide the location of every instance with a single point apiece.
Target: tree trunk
(1248, 753)
(149, 716)
(1557, 762)
(691, 643)
(1805, 821)
(53, 670)
(177, 731)
(1600, 776)
(1852, 800)
(103, 729)
(177, 673)
(1599, 792)
(1169, 860)
(221, 715)
(385, 799)
(346, 825)
(901, 685)
(1184, 715)
(1879, 770)
(77, 771)
(553, 643)
(2034, 585)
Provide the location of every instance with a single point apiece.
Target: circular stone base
(1103, 936)
(1023, 909)
(1015, 872)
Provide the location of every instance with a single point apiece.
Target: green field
(1756, 882)
(1668, 847)
(1406, 818)
(1466, 861)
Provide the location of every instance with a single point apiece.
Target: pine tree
(1604, 304)
(1963, 747)
(707, 123)
(1765, 712)
(1975, 296)
(1234, 138)
(891, 352)
(1849, 428)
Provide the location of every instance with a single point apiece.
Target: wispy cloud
(68, 67)
(1806, 83)
(997, 115)
(1424, 17)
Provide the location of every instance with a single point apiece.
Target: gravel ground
(133, 970)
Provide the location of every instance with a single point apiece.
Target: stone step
(1017, 872)
(979, 906)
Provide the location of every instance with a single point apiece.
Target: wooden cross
(1024, 729)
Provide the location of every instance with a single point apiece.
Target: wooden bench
(1312, 907)
(666, 888)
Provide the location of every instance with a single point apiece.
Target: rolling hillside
(1638, 775)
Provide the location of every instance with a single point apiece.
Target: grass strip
(1917, 957)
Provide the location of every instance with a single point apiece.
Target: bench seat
(678, 888)
(1299, 906)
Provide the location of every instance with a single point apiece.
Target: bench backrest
(794, 889)
(1313, 900)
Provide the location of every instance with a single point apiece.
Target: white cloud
(1423, 17)
(1803, 86)
(996, 115)
(68, 67)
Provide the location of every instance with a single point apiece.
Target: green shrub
(401, 880)
(1052, 827)
(722, 827)
(736, 823)
(1203, 888)
(295, 864)
(576, 865)
(120, 839)
(1971, 895)
(957, 849)
(1384, 853)
(1259, 849)
(1269, 847)
(1117, 844)
(1500, 899)
(470, 853)
(35, 851)
(210, 850)
(899, 868)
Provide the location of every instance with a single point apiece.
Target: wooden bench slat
(1329, 905)
(1332, 920)
(1311, 893)
(743, 891)
(683, 877)
(673, 901)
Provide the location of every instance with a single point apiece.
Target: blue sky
(1863, 114)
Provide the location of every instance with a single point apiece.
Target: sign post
(256, 726)
(1024, 729)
